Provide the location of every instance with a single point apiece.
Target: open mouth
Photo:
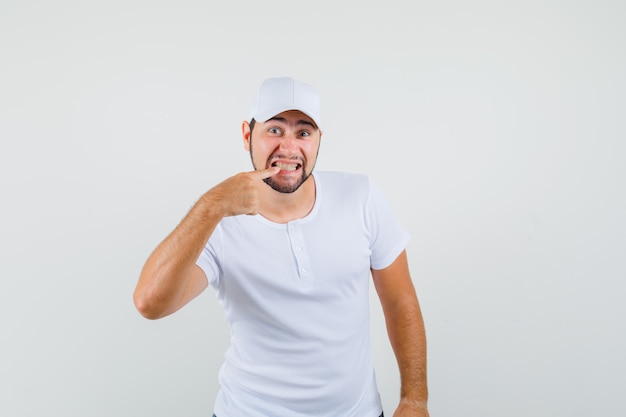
(286, 166)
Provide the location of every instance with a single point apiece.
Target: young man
(290, 254)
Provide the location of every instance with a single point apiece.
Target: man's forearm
(405, 327)
(408, 340)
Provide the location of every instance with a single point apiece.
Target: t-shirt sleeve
(387, 236)
(209, 258)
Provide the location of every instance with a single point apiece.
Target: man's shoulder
(346, 184)
(341, 177)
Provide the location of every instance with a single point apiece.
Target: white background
(496, 128)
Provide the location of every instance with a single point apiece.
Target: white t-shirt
(296, 297)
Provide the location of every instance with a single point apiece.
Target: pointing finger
(267, 172)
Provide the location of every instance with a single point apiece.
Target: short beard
(283, 188)
(287, 188)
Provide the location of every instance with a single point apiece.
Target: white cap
(277, 95)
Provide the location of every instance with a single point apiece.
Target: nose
(289, 141)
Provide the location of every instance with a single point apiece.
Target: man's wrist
(211, 206)
(414, 402)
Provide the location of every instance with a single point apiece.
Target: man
(290, 254)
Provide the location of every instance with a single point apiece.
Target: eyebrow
(299, 122)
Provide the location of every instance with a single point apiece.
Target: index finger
(266, 173)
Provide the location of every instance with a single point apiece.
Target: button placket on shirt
(299, 252)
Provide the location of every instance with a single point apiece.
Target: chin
(286, 187)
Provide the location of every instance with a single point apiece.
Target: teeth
(286, 167)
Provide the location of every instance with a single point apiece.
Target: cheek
(260, 148)
(259, 152)
(311, 151)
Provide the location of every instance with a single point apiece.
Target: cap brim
(268, 114)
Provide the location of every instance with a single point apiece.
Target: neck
(283, 208)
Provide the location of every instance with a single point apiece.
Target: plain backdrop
(496, 129)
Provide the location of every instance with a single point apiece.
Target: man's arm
(170, 277)
(405, 327)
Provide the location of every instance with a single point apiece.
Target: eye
(275, 131)
(305, 133)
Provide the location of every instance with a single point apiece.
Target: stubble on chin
(287, 188)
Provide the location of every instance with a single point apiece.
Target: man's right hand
(241, 193)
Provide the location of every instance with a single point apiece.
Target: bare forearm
(408, 339)
(164, 280)
(406, 333)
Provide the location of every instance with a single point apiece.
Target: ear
(245, 131)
